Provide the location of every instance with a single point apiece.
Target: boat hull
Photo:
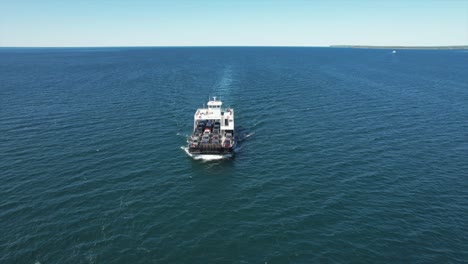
(206, 156)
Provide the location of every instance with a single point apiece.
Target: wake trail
(224, 86)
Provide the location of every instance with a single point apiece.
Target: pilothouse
(213, 132)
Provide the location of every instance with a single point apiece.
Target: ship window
(226, 122)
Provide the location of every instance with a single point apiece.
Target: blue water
(348, 156)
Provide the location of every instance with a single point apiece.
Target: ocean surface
(345, 156)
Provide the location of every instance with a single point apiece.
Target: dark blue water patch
(348, 155)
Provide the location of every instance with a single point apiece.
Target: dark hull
(213, 149)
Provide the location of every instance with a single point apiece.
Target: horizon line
(246, 46)
(166, 46)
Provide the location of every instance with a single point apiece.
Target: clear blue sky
(232, 23)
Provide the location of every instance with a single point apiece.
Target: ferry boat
(213, 132)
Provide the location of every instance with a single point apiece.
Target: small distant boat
(394, 51)
(213, 132)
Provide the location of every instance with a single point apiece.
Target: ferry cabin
(215, 114)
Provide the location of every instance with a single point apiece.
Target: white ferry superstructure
(213, 132)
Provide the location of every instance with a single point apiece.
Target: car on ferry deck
(194, 142)
(205, 139)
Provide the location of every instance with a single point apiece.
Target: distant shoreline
(402, 47)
